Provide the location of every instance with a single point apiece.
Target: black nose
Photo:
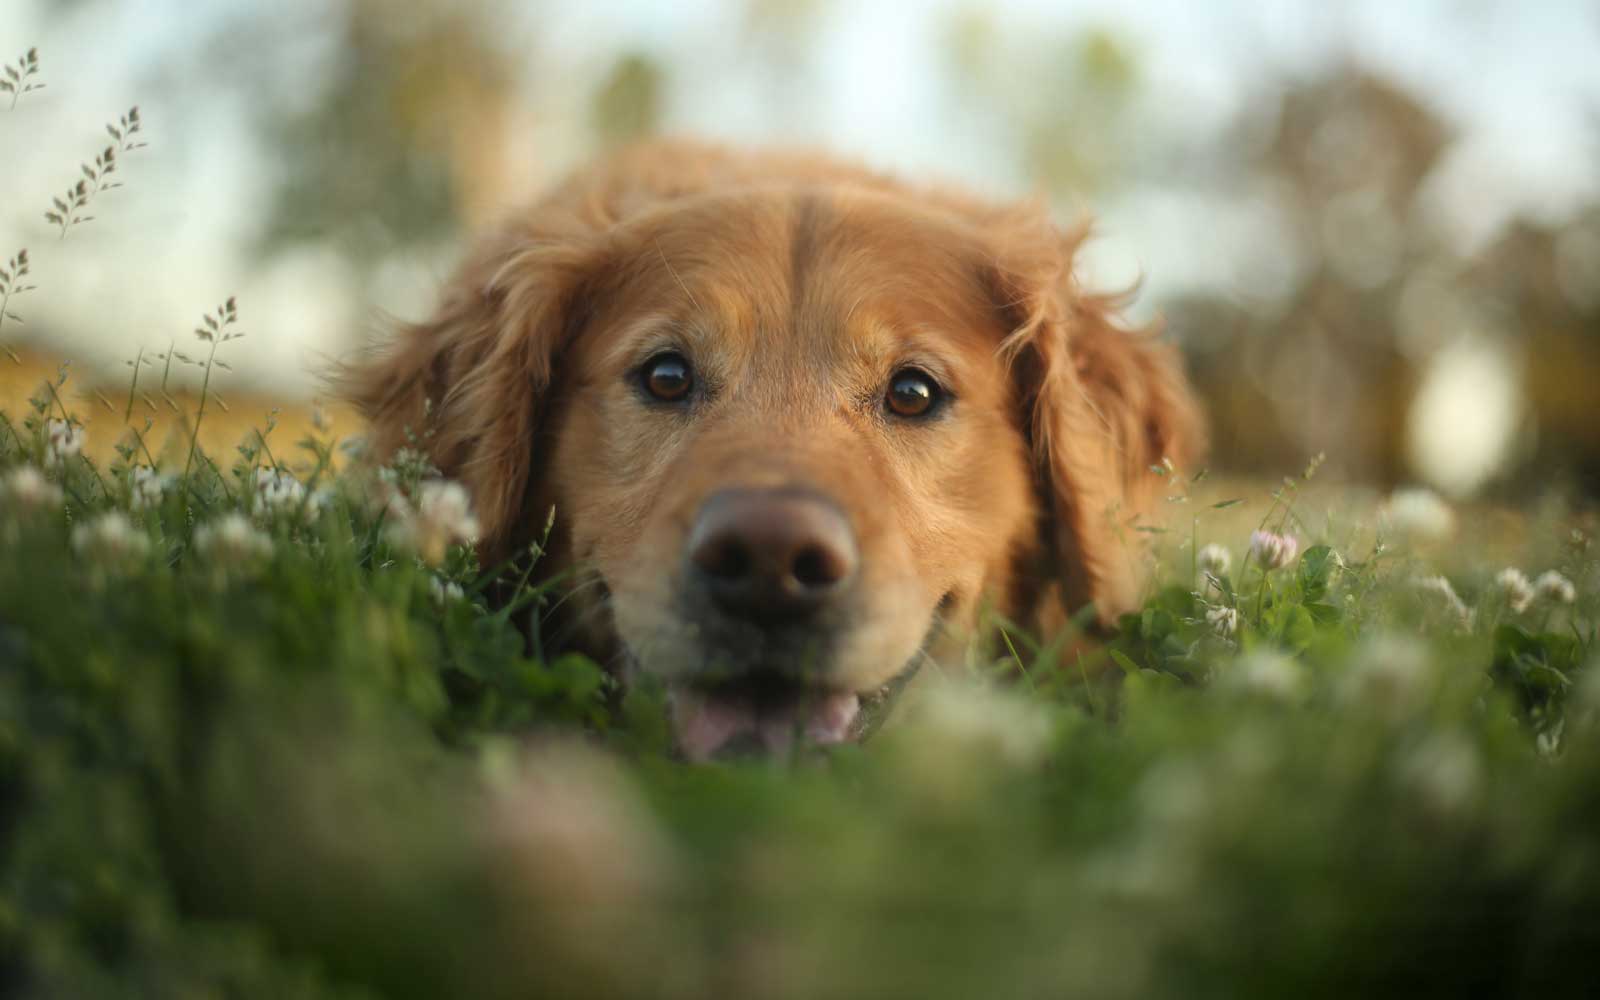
(772, 556)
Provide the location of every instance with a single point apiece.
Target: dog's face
(790, 454)
(797, 436)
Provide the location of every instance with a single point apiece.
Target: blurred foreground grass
(252, 746)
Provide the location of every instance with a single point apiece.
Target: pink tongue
(707, 723)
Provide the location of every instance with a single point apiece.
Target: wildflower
(441, 517)
(1418, 513)
(988, 724)
(1554, 587)
(444, 591)
(1445, 771)
(1516, 588)
(1440, 587)
(317, 502)
(1213, 563)
(147, 486)
(1223, 621)
(63, 440)
(276, 489)
(1267, 674)
(26, 488)
(1215, 560)
(1272, 550)
(109, 540)
(1548, 742)
(1390, 674)
(231, 540)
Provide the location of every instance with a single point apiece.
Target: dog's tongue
(707, 722)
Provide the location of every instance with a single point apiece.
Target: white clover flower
(1516, 588)
(147, 486)
(444, 591)
(1445, 771)
(1548, 743)
(1552, 586)
(110, 539)
(1418, 513)
(441, 517)
(26, 488)
(1272, 550)
(990, 723)
(1440, 587)
(63, 440)
(317, 501)
(1212, 563)
(1214, 559)
(276, 489)
(1390, 674)
(1223, 621)
(1267, 674)
(231, 540)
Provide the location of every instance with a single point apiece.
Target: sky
(1520, 82)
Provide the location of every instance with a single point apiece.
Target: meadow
(262, 735)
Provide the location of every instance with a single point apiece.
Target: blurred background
(1373, 227)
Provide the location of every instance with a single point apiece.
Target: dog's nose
(772, 556)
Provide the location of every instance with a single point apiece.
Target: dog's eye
(667, 377)
(912, 393)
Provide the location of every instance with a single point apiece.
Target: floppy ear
(468, 385)
(1106, 403)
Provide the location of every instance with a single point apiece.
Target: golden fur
(798, 285)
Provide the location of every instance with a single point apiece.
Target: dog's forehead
(826, 271)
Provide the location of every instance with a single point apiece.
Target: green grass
(291, 764)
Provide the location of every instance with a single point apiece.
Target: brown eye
(912, 393)
(667, 377)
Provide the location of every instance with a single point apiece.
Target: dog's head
(799, 425)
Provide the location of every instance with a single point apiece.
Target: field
(261, 736)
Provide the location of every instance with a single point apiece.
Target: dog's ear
(467, 386)
(1104, 404)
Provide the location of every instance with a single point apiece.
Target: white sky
(1521, 82)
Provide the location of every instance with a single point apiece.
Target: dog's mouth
(760, 715)
(774, 715)
(755, 706)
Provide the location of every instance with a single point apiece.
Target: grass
(252, 745)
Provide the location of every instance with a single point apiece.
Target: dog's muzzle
(770, 576)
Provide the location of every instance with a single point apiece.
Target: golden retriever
(801, 424)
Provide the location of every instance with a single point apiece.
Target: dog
(802, 426)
